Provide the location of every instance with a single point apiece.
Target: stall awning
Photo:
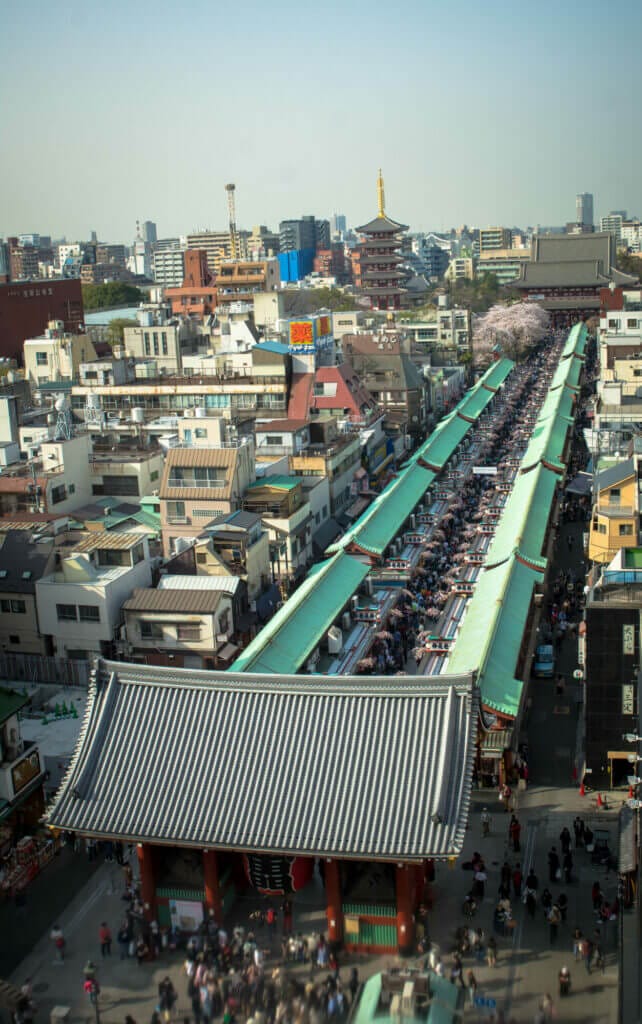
(495, 742)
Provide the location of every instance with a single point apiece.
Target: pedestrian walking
(515, 831)
(596, 895)
(578, 828)
(485, 822)
(124, 937)
(587, 953)
(517, 881)
(565, 840)
(104, 937)
(554, 918)
(565, 981)
(553, 864)
(547, 1006)
(491, 951)
(270, 920)
(471, 985)
(577, 943)
(58, 939)
(166, 998)
(456, 971)
(562, 902)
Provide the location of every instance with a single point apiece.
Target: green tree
(628, 263)
(110, 295)
(333, 299)
(116, 330)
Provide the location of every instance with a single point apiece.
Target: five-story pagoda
(380, 258)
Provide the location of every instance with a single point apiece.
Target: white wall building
(80, 605)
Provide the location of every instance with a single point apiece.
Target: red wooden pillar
(334, 909)
(405, 924)
(147, 868)
(213, 899)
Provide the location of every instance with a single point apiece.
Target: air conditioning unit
(346, 621)
(335, 640)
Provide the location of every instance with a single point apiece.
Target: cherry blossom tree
(513, 330)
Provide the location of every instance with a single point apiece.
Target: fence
(37, 668)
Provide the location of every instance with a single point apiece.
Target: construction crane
(231, 206)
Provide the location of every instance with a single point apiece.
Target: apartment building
(282, 506)
(333, 455)
(166, 344)
(615, 522)
(187, 628)
(80, 603)
(241, 280)
(200, 483)
(26, 555)
(56, 355)
(57, 481)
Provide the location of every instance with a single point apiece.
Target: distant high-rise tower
(338, 224)
(584, 209)
(148, 231)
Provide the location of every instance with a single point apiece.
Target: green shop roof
(11, 702)
(282, 483)
(491, 634)
(496, 373)
(285, 642)
(385, 524)
(525, 516)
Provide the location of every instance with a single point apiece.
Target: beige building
(56, 356)
(57, 481)
(335, 456)
(200, 483)
(185, 628)
(166, 344)
(461, 268)
(281, 503)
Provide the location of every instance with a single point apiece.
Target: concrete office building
(584, 209)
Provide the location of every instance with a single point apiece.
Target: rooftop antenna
(381, 195)
(231, 206)
(64, 430)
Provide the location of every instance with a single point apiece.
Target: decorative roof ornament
(381, 195)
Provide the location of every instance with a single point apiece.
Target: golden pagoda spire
(381, 195)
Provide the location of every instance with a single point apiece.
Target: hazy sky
(489, 113)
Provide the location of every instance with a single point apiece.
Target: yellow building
(614, 523)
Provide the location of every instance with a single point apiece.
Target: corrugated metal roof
(108, 541)
(193, 601)
(281, 482)
(225, 584)
(376, 768)
(285, 642)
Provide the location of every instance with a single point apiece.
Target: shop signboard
(25, 771)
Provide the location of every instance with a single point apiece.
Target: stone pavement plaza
(527, 965)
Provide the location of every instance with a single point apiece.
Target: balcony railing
(617, 511)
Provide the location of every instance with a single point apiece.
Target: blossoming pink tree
(512, 329)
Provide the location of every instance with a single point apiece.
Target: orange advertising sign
(324, 326)
(301, 333)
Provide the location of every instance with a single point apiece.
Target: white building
(168, 263)
(80, 605)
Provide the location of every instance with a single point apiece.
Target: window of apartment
(58, 494)
(614, 496)
(41, 358)
(599, 527)
(188, 632)
(632, 323)
(138, 554)
(150, 630)
(13, 607)
(89, 613)
(164, 342)
(203, 513)
(201, 558)
(325, 511)
(224, 621)
(175, 509)
(14, 638)
(626, 530)
(613, 323)
(274, 439)
(148, 350)
(153, 475)
(200, 432)
(156, 349)
(66, 612)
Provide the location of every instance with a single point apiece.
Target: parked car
(544, 661)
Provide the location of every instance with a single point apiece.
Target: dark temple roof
(368, 767)
(381, 224)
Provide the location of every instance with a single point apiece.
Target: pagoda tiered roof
(382, 225)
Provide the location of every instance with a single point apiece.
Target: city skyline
(300, 113)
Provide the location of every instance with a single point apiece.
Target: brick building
(26, 307)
